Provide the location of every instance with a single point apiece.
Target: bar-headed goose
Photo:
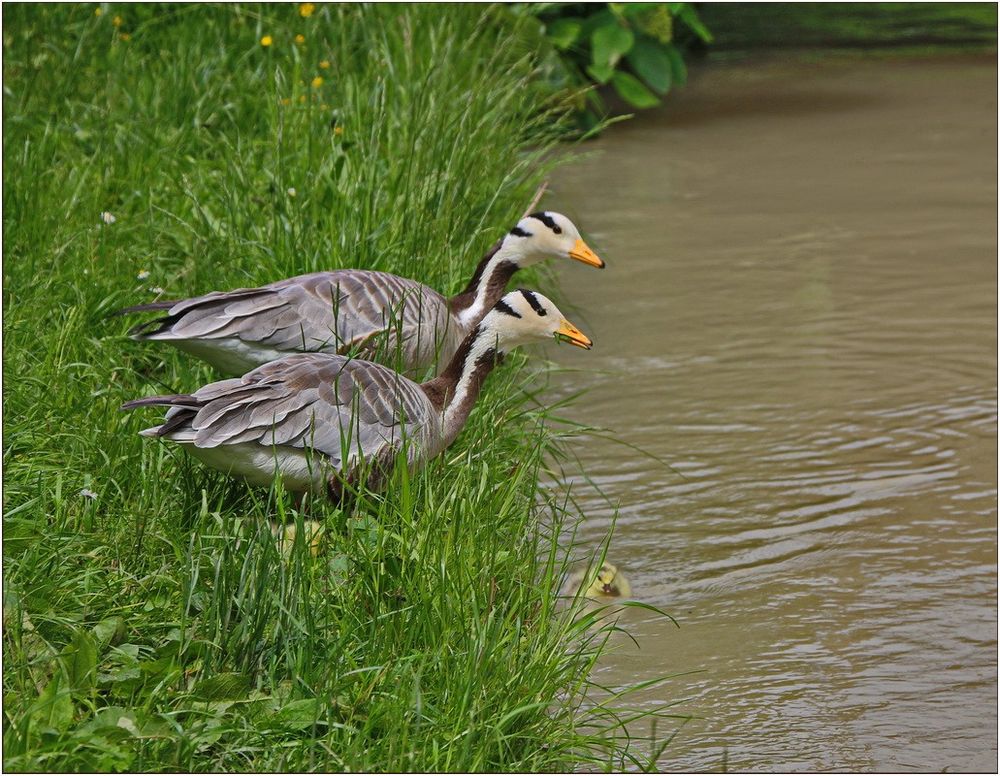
(375, 315)
(324, 420)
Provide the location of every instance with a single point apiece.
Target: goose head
(523, 316)
(544, 235)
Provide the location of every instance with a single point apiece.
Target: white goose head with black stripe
(537, 237)
(546, 234)
(523, 317)
(519, 318)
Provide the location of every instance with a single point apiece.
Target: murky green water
(800, 316)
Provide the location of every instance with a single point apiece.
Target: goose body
(322, 421)
(377, 316)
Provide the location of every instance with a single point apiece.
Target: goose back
(375, 315)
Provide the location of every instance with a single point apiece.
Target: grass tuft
(150, 620)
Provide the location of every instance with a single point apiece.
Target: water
(800, 316)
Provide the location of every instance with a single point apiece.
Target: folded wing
(346, 409)
(375, 313)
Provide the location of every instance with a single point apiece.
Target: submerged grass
(150, 623)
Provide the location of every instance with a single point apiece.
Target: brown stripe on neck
(496, 283)
(441, 389)
(483, 366)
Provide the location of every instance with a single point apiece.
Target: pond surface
(799, 315)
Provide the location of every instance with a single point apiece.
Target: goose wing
(344, 408)
(330, 312)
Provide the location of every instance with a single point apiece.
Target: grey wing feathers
(323, 311)
(312, 401)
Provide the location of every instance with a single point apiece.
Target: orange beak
(581, 252)
(567, 332)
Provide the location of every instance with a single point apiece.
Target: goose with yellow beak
(373, 315)
(327, 423)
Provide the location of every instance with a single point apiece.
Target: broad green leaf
(595, 20)
(564, 32)
(677, 67)
(633, 10)
(298, 715)
(651, 63)
(206, 732)
(161, 666)
(127, 651)
(223, 687)
(120, 674)
(117, 723)
(632, 90)
(106, 630)
(110, 717)
(609, 43)
(600, 73)
(80, 659)
(687, 14)
(54, 708)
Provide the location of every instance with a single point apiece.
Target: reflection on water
(799, 314)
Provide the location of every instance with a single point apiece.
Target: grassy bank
(150, 622)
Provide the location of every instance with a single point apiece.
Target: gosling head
(606, 577)
(608, 582)
(523, 316)
(544, 235)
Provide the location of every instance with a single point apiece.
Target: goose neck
(487, 285)
(454, 392)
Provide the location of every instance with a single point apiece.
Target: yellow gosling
(313, 535)
(608, 583)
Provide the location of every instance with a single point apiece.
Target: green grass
(154, 626)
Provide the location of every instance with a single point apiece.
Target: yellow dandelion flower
(317, 82)
(126, 37)
(117, 21)
(302, 98)
(300, 38)
(338, 131)
(324, 65)
(306, 10)
(286, 101)
(98, 11)
(266, 41)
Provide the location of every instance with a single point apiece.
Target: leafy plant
(635, 48)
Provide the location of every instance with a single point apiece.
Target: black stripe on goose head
(533, 301)
(506, 309)
(546, 219)
(519, 232)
